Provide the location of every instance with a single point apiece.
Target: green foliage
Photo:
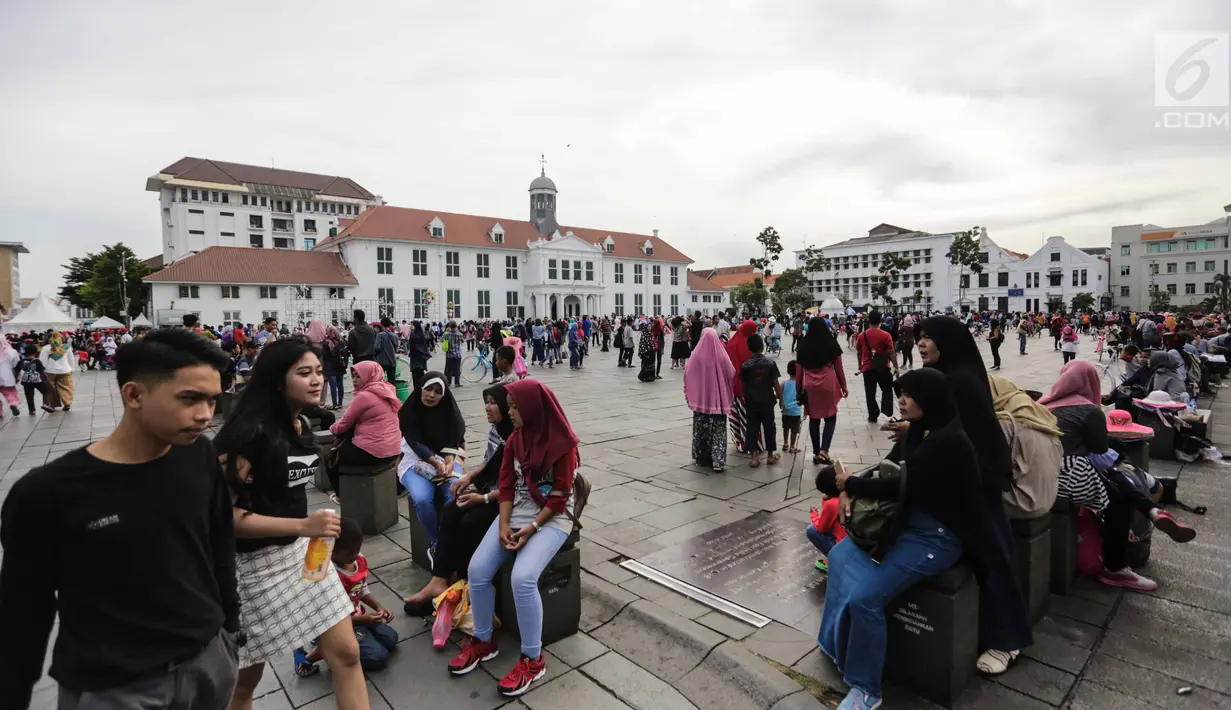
(104, 281)
(891, 267)
(771, 248)
(964, 252)
(790, 291)
(1222, 293)
(1083, 302)
(815, 260)
(1160, 300)
(749, 297)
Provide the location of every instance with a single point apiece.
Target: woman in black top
(270, 457)
(465, 520)
(1004, 624)
(940, 518)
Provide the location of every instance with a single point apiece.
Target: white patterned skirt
(279, 609)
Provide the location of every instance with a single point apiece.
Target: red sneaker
(472, 654)
(1128, 579)
(1170, 525)
(523, 674)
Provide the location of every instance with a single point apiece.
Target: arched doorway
(572, 306)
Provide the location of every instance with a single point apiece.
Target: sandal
(993, 662)
(773, 459)
(303, 667)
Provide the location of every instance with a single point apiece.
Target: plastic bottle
(316, 561)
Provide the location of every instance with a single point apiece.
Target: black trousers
(658, 367)
(757, 422)
(995, 353)
(1122, 499)
(884, 378)
(461, 531)
(30, 390)
(352, 455)
(606, 341)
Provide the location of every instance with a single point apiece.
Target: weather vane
(543, 163)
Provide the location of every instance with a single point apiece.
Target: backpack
(30, 374)
(880, 360)
(872, 524)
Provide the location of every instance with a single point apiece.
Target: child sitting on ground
(792, 412)
(825, 530)
(376, 638)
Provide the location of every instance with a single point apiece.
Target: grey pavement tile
(657, 495)
(593, 553)
(1151, 686)
(1138, 605)
(658, 640)
(680, 514)
(572, 690)
(818, 666)
(778, 495)
(301, 691)
(731, 677)
(1162, 630)
(680, 476)
(614, 511)
(1055, 650)
(1080, 609)
(1197, 669)
(1032, 678)
(600, 479)
(416, 678)
(1092, 696)
(375, 701)
(984, 694)
(577, 650)
(272, 701)
(624, 533)
(645, 588)
(601, 601)
(510, 652)
(380, 551)
(801, 700)
(781, 643)
(634, 685)
(682, 605)
(718, 485)
(726, 625)
(611, 572)
(403, 577)
(727, 517)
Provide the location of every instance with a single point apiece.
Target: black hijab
(963, 367)
(439, 427)
(417, 344)
(819, 347)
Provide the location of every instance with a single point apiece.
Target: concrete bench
(934, 635)
(324, 444)
(560, 588)
(420, 543)
(1032, 545)
(1063, 546)
(369, 495)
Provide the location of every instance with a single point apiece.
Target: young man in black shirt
(361, 341)
(131, 540)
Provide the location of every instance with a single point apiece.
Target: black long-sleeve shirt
(139, 561)
(361, 342)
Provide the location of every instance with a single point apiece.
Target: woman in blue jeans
(433, 434)
(536, 485)
(940, 519)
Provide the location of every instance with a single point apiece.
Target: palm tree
(1222, 291)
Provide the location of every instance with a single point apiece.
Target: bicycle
(476, 367)
(774, 347)
(1110, 374)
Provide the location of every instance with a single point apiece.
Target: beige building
(10, 274)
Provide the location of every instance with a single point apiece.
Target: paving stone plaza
(644, 646)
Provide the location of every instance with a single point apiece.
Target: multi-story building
(10, 274)
(1180, 261)
(705, 295)
(1050, 278)
(206, 203)
(419, 263)
(928, 284)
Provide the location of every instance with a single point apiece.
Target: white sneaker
(1128, 579)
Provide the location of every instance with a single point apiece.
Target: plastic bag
(453, 612)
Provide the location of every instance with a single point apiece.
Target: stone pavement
(646, 647)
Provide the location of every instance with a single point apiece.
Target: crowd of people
(222, 529)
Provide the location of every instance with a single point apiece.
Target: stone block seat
(560, 588)
(369, 495)
(1032, 545)
(934, 635)
(324, 443)
(1063, 546)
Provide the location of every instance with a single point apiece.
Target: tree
(1222, 292)
(964, 252)
(815, 260)
(891, 268)
(749, 297)
(1083, 302)
(790, 291)
(1160, 300)
(771, 248)
(109, 282)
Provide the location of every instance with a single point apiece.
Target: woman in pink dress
(819, 374)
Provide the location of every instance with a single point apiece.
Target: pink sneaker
(1170, 525)
(1128, 579)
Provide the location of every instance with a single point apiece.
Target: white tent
(105, 323)
(833, 306)
(40, 315)
(142, 322)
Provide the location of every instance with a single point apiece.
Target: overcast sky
(705, 120)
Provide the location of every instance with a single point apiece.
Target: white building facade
(705, 297)
(1052, 276)
(1180, 261)
(207, 203)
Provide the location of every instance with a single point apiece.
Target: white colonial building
(1050, 278)
(417, 263)
(706, 296)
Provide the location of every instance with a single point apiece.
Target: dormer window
(498, 234)
(436, 228)
(609, 245)
(648, 248)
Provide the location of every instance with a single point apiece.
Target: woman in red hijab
(536, 486)
(737, 350)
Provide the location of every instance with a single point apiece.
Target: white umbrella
(105, 323)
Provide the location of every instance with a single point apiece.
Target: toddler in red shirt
(825, 530)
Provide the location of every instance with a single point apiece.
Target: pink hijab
(1078, 384)
(709, 376)
(316, 332)
(372, 380)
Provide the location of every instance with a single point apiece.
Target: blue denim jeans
(375, 643)
(853, 628)
(423, 492)
(573, 355)
(335, 388)
(531, 560)
(822, 541)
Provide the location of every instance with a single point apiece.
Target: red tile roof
(697, 282)
(243, 265)
(728, 276)
(407, 224)
(204, 170)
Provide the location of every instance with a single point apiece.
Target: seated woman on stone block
(536, 487)
(370, 424)
(940, 521)
(465, 521)
(1034, 441)
(1088, 476)
(433, 437)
